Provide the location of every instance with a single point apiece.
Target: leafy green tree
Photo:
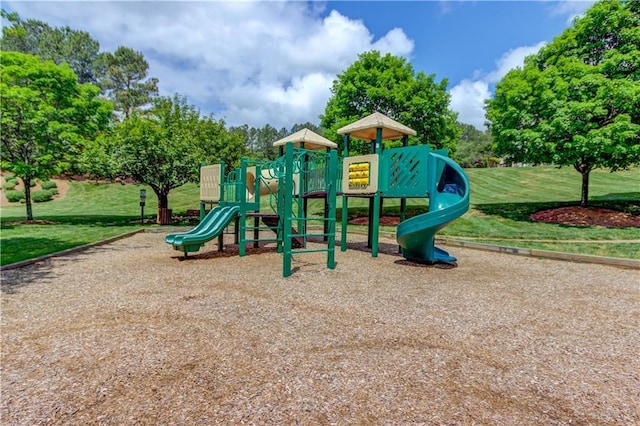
(474, 148)
(389, 84)
(165, 146)
(217, 144)
(259, 142)
(123, 77)
(577, 101)
(22, 36)
(313, 127)
(46, 117)
(97, 160)
(59, 45)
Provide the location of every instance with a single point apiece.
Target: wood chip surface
(129, 333)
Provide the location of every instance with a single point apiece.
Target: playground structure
(405, 172)
(308, 167)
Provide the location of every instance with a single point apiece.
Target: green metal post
(375, 204)
(221, 241)
(288, 210)
(376, 225)
(242, 189)
(378, 145)
(331, 199)
(343, 224)
(345, 148)
(302, 224)
(280, 212)
(203, 212)
(370, 221)
(345, 203)
(220, 202)
(403, 201)
(256, 187)
(256, 232)
(222, 180)
(325, 227)
(304, 187)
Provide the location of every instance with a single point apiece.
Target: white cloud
(248, 62)
(468, 96)
(571, 8)
(514, 58)
(467, 99)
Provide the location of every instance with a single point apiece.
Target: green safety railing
(402, 171)
(229, 192)
(308, 165)
(298, 172)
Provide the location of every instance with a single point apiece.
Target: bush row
(11, 183)
(14, 196)
(36, 196)
(49, 184)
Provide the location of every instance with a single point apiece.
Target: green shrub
(14, 196)
(41, 196)
(49, 184)
(9, 185)
(32, 183)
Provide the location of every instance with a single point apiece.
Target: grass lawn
(501, 201)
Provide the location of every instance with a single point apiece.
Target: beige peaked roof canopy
(311, 140)
(365, 128)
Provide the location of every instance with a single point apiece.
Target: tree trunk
(164, 216)
(26, 181)
(164, 213)
(584, 199)
(163, 200)
(584, 168)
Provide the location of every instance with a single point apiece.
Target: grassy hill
(502, 199)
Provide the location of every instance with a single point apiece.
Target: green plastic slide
(416, 236)
(209, 228)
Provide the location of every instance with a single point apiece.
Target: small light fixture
(143, 199)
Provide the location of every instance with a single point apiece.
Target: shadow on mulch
(229, 251)
(385, 248)
(393, 250)
(436, 265)
(14, 279)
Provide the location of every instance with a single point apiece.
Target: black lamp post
(143, 198)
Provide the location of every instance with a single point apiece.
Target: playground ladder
(305, 162)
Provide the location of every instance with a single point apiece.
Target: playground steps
(271, 220)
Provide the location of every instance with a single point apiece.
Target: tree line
(68, 107)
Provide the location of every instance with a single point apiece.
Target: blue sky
(273, 62)
(454, 39)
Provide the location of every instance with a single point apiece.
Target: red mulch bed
(384, 220)
(587, 216)
(572, 216)
(33, 222)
